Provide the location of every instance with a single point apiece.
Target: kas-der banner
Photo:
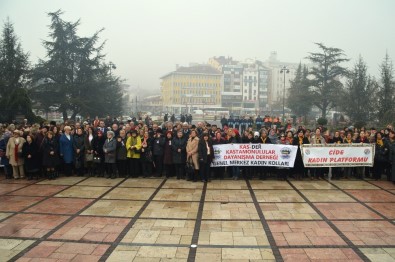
(338, 155)
(254, 155)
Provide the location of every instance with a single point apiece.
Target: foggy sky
(146, 39)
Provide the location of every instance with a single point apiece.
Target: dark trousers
(134, 167)
(8, 171)
(122, 167)
(264, 171)
(318, 172)
(179, 170)
(235, 171)
(378, 169)
(248, 171)
(68, 168)
(169, 170)
(158, 161)
(147, 168)
(111, 169)
(219, 172)
(204, 169)
(283, 173)
(336, 172)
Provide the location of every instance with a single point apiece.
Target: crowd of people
(141, 148)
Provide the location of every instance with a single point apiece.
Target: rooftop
(197, 69)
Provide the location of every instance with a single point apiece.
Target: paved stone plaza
(97, 219)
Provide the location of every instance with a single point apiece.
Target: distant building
(255, 86)
(152, 104)
(276, 83)
(232, 81)
(194, 87)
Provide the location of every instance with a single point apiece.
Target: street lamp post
(284, 70)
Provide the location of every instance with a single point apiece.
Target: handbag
(137, 151)
(189, 168)
(96, 159)
(89, 157)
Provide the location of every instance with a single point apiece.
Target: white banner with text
(338, 155)
(254, 155)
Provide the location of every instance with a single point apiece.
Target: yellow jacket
(136, 142)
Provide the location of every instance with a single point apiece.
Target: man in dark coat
(178, 146)
(79, 151)
(157, 152)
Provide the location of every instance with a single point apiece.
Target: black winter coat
(32, 164)
(158, 146)
(97, 146)
(298, 166)
(79, 143)
(49, 160)
(202, 150)
(382, 152)
(179, 157)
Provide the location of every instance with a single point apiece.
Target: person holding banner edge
(317, 139)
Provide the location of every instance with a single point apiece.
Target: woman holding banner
(360, 170)
(299, 169)
(264, 170)
(317, 139)
(336, 171)
(348, 140)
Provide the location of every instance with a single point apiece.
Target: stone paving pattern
(157, 219)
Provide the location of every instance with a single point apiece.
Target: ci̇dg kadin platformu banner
(254, 155)
(338, 155)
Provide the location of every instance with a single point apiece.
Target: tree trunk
(65, 116)
(74, 115)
